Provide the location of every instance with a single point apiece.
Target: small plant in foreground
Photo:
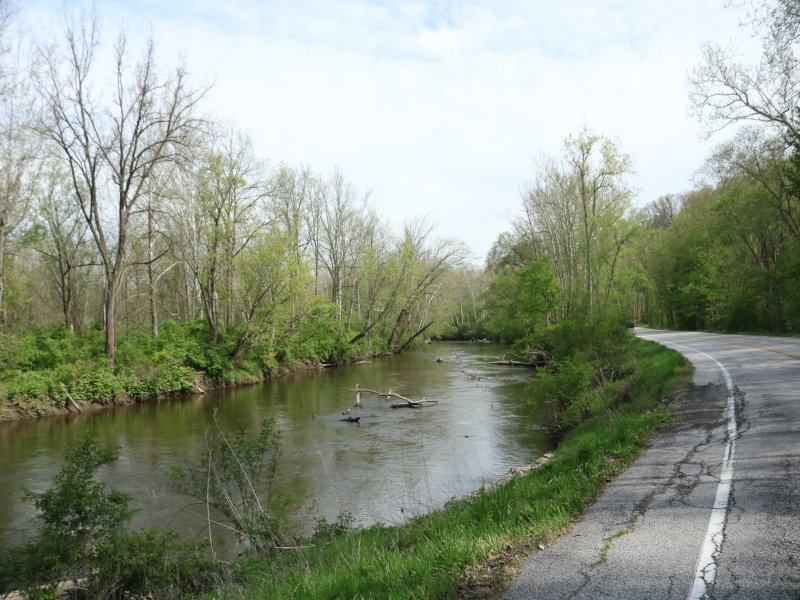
(234, 477)
(82, 536)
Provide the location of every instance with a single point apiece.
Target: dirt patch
(490, 579)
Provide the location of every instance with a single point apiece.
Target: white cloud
(440, 107)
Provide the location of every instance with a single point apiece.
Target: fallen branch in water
(473, 376)
(508, 362)
(409, 403)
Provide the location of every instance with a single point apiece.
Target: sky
(442, 109)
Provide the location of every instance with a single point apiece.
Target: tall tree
(111, 139)
(64, 247)
(724, 90)
(224, 215)
(576, 213)
(19, 150)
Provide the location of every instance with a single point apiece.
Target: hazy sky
(441, 108)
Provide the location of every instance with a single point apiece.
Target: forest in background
(143, 243)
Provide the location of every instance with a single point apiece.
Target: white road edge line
(706, 572)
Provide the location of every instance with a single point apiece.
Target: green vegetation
(469, 543)
(466, 545)
(203, 265)
(82, 535)
(226, 477)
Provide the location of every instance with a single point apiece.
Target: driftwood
(473, 376)
(438, 358)
(61, 590)
(351, 419)
(408, 402)
(70, 398)
(508, 362)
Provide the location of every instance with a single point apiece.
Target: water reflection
(394, 464)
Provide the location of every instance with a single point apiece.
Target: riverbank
(472, 547)
(50, 372)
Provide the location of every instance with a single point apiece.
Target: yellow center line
(782, 353)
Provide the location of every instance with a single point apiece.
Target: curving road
(712, 508)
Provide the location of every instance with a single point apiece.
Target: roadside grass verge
(470, 548)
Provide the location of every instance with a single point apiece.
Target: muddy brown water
(394, 464)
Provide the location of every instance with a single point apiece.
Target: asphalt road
(712, 508)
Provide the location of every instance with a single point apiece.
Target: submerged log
(351, 419)
(508, 362)
(390, 394)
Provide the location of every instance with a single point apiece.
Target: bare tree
(64, 246)
(112, 139)
(725, 90)
(339, 220)
(19, 158)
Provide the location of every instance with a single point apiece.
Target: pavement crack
(587, 579)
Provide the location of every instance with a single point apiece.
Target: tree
(758, 156)
(19, 154)
(64, 247)
(111, 140)
(575, 212)
(221, 217)
(423, 265)
(338, 221)
(724, 90)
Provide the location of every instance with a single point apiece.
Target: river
(394, 464)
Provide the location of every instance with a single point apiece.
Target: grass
(473, 544)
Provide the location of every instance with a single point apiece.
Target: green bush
(140, 388)
(82, 534)
(33, 387)
(585, 362)
(98, 385)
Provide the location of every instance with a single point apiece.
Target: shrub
(97, 385)
(32, 387)
(82, 534)
(243, 468)
(586, 359)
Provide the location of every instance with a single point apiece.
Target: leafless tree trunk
(111, 140)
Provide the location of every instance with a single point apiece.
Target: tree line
(122, 205)
(723, 256)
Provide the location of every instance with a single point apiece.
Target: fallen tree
(407, 402)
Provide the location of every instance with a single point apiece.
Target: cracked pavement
(663, 501)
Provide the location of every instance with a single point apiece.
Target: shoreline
(15, 412)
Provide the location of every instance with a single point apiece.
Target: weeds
(234, 478)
